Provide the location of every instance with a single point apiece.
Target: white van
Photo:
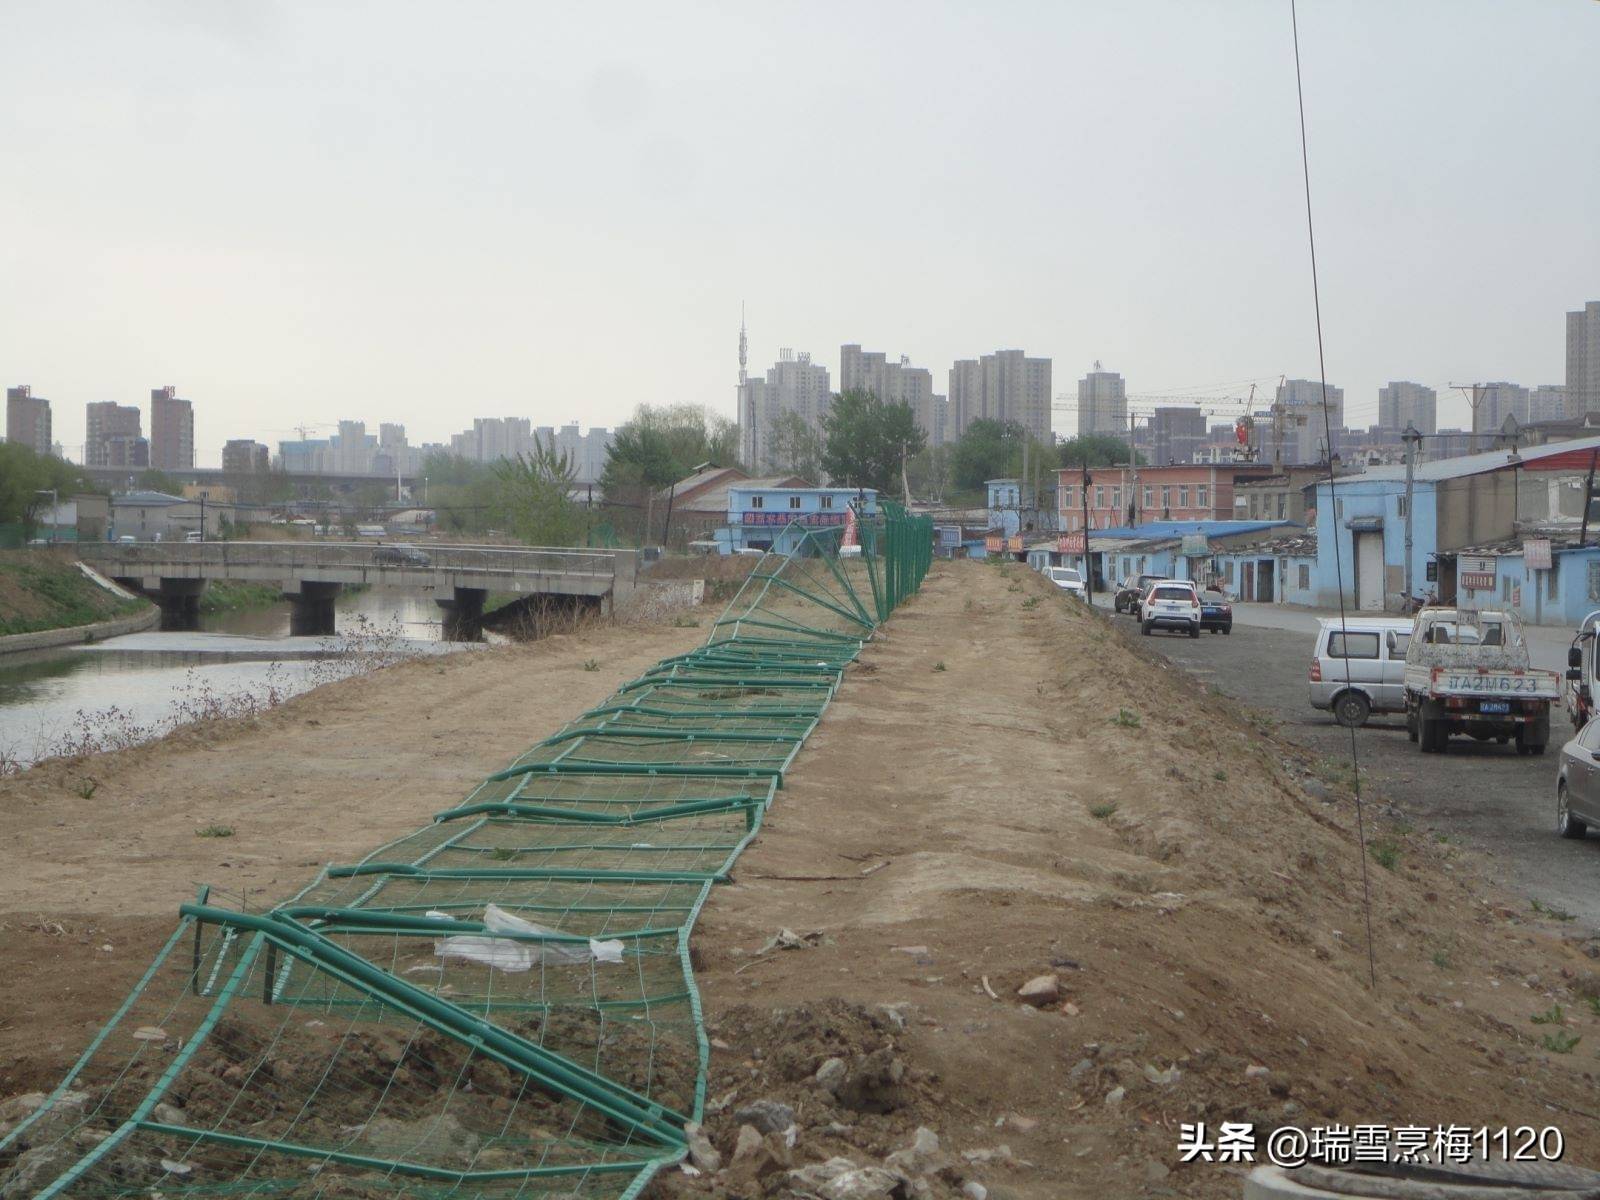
(1359, 667)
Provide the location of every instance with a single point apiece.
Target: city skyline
(428, 268)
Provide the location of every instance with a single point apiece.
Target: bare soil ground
(91, 885)
(1050, 798)
(999, 792)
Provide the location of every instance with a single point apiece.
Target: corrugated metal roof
(1532, 457)
(1177, 529)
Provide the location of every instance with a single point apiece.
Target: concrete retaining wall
(44, 639)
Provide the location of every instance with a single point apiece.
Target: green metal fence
(499, 1004)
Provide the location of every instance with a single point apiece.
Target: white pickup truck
(1468, 672)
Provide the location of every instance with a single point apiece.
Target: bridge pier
(463, 614)
(311, 608)
(180, 603)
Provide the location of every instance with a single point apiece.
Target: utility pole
(1474, 396)
(1133, 474)
(1588, 495)
(1088, 570)
(1413, 439)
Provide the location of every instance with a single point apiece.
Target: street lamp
(1412, 437)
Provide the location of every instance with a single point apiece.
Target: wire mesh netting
(499, 1004)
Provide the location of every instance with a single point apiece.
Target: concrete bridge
(311, 574)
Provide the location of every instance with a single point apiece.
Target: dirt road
(1480, 793)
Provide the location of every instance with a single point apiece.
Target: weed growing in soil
(939, 666)
(1101, 811)
(1548, 910)
(503, 853)
(1220, 775)
(1386, 854)
(1031, 602)
(1441, 959)
(686, 622)
(1127, 718)
(1594, 1005)
(1560, 1042)
(591, 664)
(86, 788)
(217, 831)
(1550, 1016)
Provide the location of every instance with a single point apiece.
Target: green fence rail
(500, 1003)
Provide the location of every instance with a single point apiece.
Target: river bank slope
(45, 589)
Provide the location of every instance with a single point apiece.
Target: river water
(127, 689)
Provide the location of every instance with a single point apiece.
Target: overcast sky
(426, 213)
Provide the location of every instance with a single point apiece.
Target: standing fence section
(499, 1004)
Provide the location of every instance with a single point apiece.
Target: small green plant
(1560, 1042)
(1386, 854)
(591, 664)
(686, 622)
(1127, 718)
(214, 831)
(85, 787)
(1101, 811)
(1594, 1005)
(939, 666)
(1031, 602)
(503, 853)
(1550, 1016)
(1441, 959)
(969, 606)
(1549, 910)
(1220, 775)
(1015, 587)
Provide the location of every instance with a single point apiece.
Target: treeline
(27, 478)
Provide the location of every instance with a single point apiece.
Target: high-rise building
(1004, 386)
(171, 431)
(1297, 429)
(1583, 360)
(1176, 433)
(1103, 404)
(794, 384)
(244, 456)
(1402, 403)
(894, 383)
(1547, 402)
(104, 420)
(28, 419)
(126, 450)
(1497, 401)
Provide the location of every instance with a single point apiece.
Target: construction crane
(303, 430)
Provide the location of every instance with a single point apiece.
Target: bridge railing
(299, 556)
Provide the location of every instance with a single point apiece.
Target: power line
(1338, 564)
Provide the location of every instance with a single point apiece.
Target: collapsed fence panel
(499, 1004)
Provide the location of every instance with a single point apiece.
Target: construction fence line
(499, 1004)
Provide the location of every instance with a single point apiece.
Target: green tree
(24, 475)
(655, 449)
(535, 497)
(929, 470)
(796, 448)
(987, 449)
(867, 440)
(1094, 450)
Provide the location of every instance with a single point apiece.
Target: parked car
(1358, 667)
(1069, 580)
(399, 554)
(1216, 611)
(1468, 671)
(194, 535)
(1578, 783)
(1171, 604)
(1132, 591)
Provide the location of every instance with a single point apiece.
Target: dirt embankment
(42, 589)
(100, 852)
(1008, 787)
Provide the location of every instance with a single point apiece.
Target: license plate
(1495, 706)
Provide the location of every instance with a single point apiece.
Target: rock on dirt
(1040, 991)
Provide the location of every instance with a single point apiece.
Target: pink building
(1119, 496)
